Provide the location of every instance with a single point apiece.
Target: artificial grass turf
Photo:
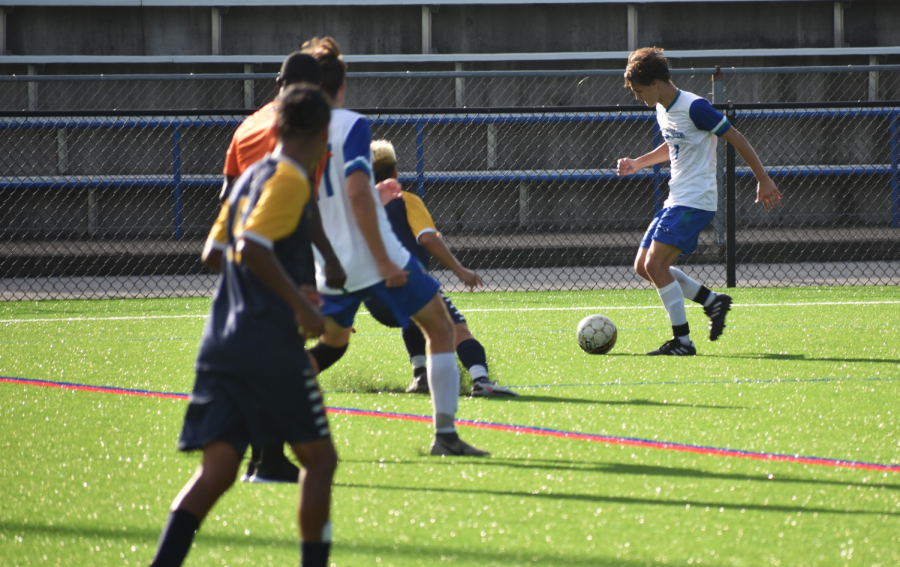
(537, 500)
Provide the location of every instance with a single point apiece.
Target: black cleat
(716, 312)
(674, 348)
(419, 385)
(281, 471)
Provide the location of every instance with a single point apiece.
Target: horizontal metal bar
(76, 183)
(259, 3)
(717, 54)
(444, 74)
(91, 124)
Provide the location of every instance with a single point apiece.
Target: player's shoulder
(262, 117)
(412, 199)
(346, 118)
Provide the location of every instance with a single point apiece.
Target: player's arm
(265, 266)
(766, 192)
(433, 242)
(363, 205)
(627, 166)
(335, 277)
(216, 241)
(226, 188)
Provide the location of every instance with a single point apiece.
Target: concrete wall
(455, 29)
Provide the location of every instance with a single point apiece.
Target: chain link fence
(518, 169)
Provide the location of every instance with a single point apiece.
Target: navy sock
(255, 453)
(314, 554)
(414, 340)
(471, 354)
(326, 356)
(176, 539)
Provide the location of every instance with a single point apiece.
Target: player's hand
(335, 277)
(312, 295)
(470, 278)
(394, 275)
(388, 190)
(310, 326)
(626, 166)
(768, 194)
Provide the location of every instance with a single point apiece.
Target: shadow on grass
(801, 357)
(600, 499)
(485, 556)
(639, 470)
(637, 402)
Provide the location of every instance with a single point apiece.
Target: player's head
(328, 53)
(384, 160)
(303, 117)
(647, 69)
(299, 68)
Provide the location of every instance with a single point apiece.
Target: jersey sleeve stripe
(249, 235)
(214, 244)
(423, 231)
(721, 127)
(359, 164)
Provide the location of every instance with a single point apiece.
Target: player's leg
(273, 466)
(413, 340)
(215, 475)
(472, 355)
(319, 460)
(443, 377)
(659, 258)
(715, 305)
(339, 311)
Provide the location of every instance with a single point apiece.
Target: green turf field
(86, 477)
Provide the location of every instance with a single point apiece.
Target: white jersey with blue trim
(690, 126)
(349, 140)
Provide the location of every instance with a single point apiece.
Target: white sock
(673, 300)
(478, 371)
(443, 381)
(418, 361)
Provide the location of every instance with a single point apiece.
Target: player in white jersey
(690, 127)
(377, 265)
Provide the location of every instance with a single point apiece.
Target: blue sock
(176, 539)
(473, 357)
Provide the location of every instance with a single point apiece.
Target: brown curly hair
(328, 53)
(646, 65)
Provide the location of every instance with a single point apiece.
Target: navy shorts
(382, 313)
(677, 226)
(400, 302)
(260, 408)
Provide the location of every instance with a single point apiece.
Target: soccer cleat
(716, 312)
(458, 448)
(281, 471)
(419, 385)
(484, 388)
(674, 348)
(251, 469)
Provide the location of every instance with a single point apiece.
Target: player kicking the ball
(416, 230)
(689, 125)
(377, 265)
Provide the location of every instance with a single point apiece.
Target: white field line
(521, 309)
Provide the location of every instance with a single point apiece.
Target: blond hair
(384, 160)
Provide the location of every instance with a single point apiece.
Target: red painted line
(517, 429)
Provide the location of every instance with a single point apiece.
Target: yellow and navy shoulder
(268, 205)
(410, 219)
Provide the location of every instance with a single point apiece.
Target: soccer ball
(596, 334)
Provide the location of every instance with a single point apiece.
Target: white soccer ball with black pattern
(596, 334)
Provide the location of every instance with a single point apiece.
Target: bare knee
(318, 458)
(215, 480)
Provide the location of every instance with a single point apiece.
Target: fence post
(32, 90)
(730, 209)
(176, 178)
(420, 158)
(718, 96)
(895, 171)
(657, 175)
(249, 91)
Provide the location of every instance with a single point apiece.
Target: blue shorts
(381, 313)
(677, 226)
(403, 302)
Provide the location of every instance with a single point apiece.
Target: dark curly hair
(302, 111)
(646, 65)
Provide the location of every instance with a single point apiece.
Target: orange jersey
(255, 137)
(320, 169)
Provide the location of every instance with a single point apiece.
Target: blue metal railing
(177, 181)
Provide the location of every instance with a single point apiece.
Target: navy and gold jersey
(250, 326)
(410, 219)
